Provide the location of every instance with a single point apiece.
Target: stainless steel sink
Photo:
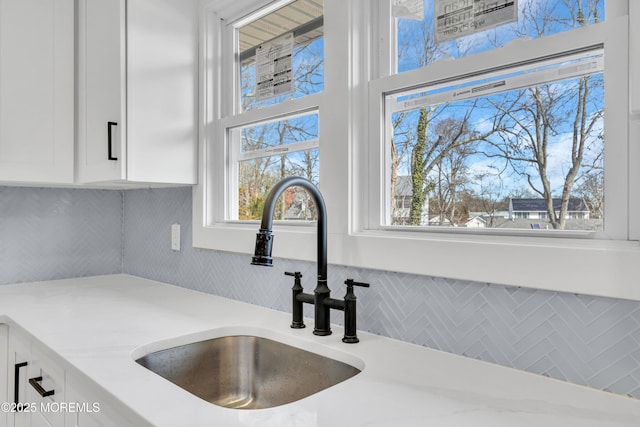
(247, 372)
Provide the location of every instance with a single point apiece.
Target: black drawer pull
(16, 385)
(35, 383)
(109, 136)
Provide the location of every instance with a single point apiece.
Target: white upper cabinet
(36, 91)
(137, 98)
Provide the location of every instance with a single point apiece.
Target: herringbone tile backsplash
(585, 340)
(56, 233)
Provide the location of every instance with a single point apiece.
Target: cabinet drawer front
(47, 375)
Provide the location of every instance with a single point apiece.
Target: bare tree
(427, 153)
(536, 118)
(591, 189)
(451, 176)
(489, 198)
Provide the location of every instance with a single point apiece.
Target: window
(280, 59)
(281, 54)
(474, 145)
(487, 104)
(266, 114)
(348, 124)
(268, 152)
(448, 113)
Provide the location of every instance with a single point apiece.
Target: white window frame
(352, 165)
(232, 126)
(211, 228)
(602, 266)
(591, 58)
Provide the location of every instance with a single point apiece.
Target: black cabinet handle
(16, 385)
(109, 136)
(35, 383)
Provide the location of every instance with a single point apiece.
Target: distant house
(296, 206)
(478, 219)
(537, 208)
(476, 222)
(402, 199)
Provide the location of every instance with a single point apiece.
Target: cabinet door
(162, 75)
(19, 355)
(36, 91)
(96, 410)
(38, 420)
(101, 50)
(4, 368)
(46, 389)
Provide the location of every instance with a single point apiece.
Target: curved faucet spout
(264, 240)
(321, 298)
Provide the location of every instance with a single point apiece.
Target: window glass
(509, 150)
(282, 55)
(270, 152)
(457, 28)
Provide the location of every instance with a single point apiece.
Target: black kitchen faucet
(321, 297)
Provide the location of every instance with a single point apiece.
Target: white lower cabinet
(92, 410)
(4, 367)
(38, 392)
(19, 356)
(95, 407)
(35, 385)
(46, 390)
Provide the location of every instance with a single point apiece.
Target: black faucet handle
(350, 283)
(295, 274)
(350, 334)
(296, 292)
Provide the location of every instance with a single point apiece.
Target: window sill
(290, 241)
(594, 267)
(586, 266)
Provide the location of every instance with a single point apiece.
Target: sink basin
(247, 372)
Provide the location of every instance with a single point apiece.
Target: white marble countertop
(98, 325)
